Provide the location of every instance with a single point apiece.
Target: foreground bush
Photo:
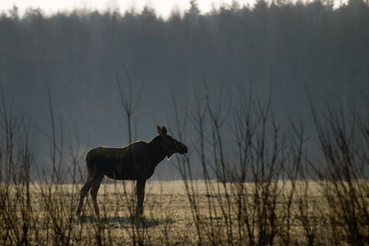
(270, 191)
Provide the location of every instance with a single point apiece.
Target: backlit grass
(168, 218)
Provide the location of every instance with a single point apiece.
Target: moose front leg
(140, 189)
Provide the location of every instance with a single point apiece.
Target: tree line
(291, 47)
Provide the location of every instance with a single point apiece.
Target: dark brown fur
(136, 161)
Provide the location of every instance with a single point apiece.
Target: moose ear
(164, 130)
(161, 131)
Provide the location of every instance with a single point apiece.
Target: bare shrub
(343, 138)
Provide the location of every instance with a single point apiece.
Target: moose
(136, 161)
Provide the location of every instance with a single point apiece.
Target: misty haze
(88, 62)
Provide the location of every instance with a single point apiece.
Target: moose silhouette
(136, 161)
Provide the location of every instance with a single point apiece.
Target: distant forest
(289, 48)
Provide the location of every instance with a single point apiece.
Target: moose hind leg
(84, 192)
(94, 190)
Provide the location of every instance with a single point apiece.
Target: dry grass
(270, 210)
(168, 218)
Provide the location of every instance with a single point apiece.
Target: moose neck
(158, 149)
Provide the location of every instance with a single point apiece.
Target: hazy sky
(162, 7)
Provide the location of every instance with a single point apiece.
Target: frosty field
(48, 218)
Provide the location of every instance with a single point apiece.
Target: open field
(46, 215)
(269, 188)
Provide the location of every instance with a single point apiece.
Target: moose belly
(130, 174)
(121, 175)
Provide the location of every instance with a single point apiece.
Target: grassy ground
(48, 218)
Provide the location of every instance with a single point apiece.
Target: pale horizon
(163, 8)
